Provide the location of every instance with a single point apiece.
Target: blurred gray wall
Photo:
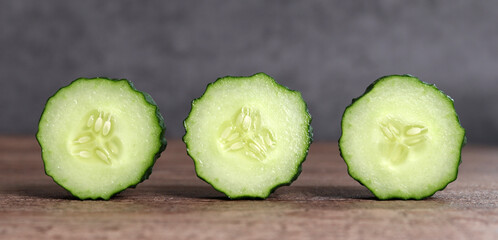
(329, 50)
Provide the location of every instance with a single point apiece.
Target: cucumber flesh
(402, 138)
(100, 136)
(248, 135)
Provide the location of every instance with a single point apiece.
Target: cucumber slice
(402, 138)
(100, 136)
(248, 135)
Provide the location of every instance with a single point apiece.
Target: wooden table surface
(323, 203)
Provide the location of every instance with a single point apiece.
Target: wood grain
(324, 203)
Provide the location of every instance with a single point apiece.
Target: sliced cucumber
(100, 136)
(402, 138)
(248, 135)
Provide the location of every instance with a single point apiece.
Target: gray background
(329, 50)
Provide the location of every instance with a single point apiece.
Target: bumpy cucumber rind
(370, 88)
(160, 121)
(299, 167)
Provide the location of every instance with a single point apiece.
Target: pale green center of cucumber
(401, 139)
(95, 141)
(245, 134)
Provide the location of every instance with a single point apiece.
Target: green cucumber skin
(369, 88)
(299, 169)
(160, 121)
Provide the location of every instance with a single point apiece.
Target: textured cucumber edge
(370, 88)
(160, 121)
(299, 168)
